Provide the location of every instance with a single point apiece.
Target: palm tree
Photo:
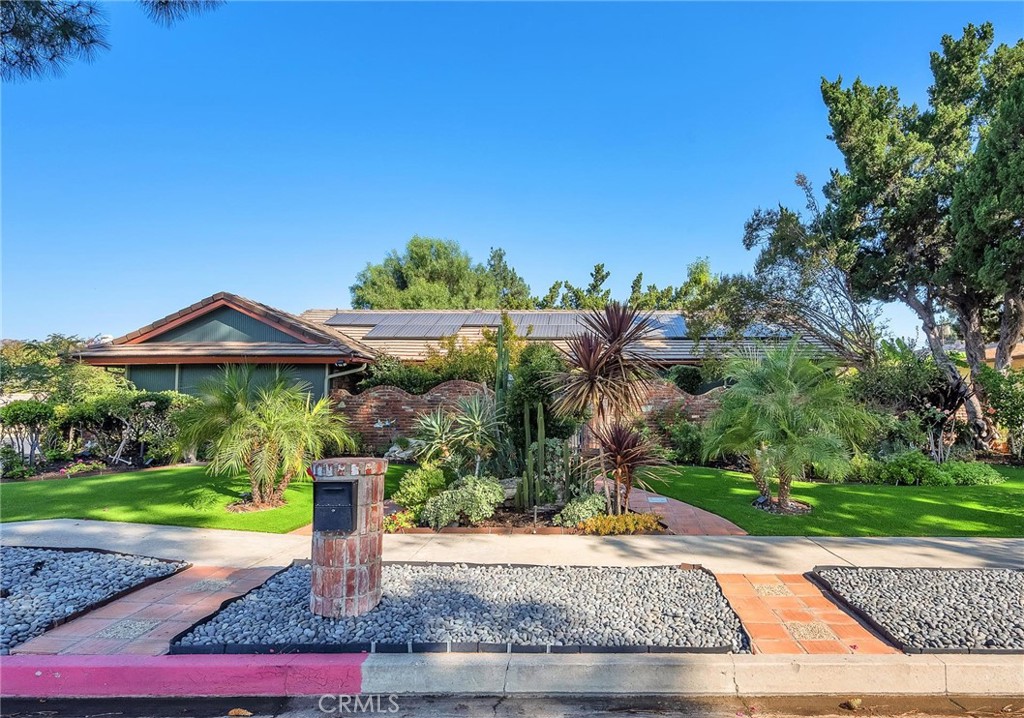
(270, 429)
(607, 376)
(785, 412)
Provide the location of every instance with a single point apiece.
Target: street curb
(72, 676)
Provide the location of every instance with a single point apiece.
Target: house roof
(315, 342)
(411, 334)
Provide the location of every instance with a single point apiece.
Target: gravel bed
(41, 586)
(534, 605)
(938, 609)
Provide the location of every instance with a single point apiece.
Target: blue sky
(273, 149)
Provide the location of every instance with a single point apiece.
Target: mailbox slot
(333, 508)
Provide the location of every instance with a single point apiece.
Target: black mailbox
(333, 507)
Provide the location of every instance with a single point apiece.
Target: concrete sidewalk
(722, 554)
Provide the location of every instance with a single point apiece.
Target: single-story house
(329, 347)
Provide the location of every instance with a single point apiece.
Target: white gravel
(535, 605)
(41, 586)
(939, 609)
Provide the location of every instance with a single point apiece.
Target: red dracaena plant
(626, 451)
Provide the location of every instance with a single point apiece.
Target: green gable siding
(192, 375)
(225, 324)
(158, 377)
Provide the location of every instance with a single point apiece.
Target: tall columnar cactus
(501, 369)
(541, 454)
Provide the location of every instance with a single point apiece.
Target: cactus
(501, 369)
(541, 447)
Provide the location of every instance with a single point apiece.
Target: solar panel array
(435, 325)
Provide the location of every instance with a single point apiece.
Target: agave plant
(627, 452)
(476, 427)
(436, 431)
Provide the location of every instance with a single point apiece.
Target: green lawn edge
(171, 496)
(854, 509)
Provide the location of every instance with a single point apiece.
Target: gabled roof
(313, 340)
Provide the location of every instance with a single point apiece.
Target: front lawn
(176, 496)
(855, 509)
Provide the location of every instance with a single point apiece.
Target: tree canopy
(903, 166)
(42, 37)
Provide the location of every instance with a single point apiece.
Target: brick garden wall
(383, 413)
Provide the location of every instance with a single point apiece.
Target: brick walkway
(790, 615)
(682, 519)
(143, 622)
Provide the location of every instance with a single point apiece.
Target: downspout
(335, 375)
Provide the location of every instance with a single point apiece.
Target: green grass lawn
(177, 496)
(855, 509)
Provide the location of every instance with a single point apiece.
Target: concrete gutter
(70, 676)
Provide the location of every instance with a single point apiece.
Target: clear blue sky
(273, 149)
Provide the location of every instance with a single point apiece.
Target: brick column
(346, 566)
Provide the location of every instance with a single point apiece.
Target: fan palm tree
(785, 412)
(270, 429)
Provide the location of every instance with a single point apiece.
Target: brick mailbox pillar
(348, 511)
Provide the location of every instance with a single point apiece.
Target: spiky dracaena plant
(476, 427)
(271, 429)
(786, 412)
(607, 375)
(626, 452)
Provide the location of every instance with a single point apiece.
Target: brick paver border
(787, 614)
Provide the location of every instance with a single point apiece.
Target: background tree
(902, 165)
(802, 280)
(49, 369)
(42, 37)
(988, 219)
(438, 274)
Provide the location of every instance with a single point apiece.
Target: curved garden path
(681, 518)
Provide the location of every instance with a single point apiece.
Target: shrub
(82, 467)
(687, 378)
(971, 473)
(580, 509)
(684, 439)
(910, 468)
(469, 500)
(622, 524)
(12, 465)
(391, 371)
(57, 454)
(418, 486)
(397, 521)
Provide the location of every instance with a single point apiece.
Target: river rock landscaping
(938, 609)
(41, 587)
(663, 607)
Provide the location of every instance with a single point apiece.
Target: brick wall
(666, 395)
(383, 413)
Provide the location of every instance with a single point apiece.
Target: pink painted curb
(121, 676)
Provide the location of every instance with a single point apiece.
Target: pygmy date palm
(270, 429)
(786, 412)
